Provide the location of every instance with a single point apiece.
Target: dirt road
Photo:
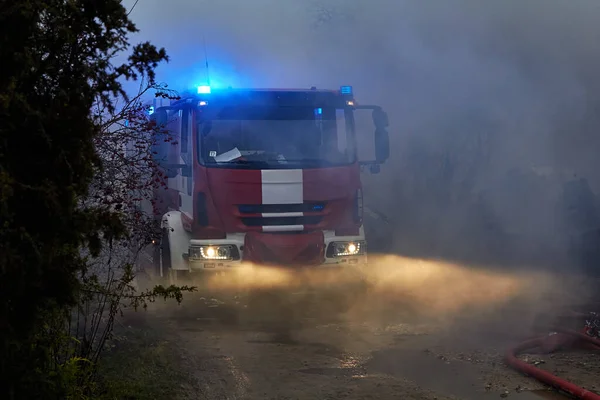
(425, 344)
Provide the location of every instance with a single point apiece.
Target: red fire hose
(549, 343)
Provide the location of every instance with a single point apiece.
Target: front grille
(300, 249)
(280, 208)
(312, 255)
(279, 221)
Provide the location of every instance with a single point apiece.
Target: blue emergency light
(203, 89)
(346, 89)
(150, 110)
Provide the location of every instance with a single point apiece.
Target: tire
(165, 253)
(161, 258)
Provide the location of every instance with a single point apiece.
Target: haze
(475, 87)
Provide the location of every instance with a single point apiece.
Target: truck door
(175, 156)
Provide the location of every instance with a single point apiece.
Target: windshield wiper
(310, 161)
(253, 163)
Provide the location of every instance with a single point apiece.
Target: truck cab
(263, 176)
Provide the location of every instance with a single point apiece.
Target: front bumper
(226, 265)
(196, 258)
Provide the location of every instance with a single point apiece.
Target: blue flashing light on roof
(319, 111)
(150, 110)
(203, 89)
(346, 89)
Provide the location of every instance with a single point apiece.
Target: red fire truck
(263, 176)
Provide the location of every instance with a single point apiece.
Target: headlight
(216, 252)
(341, 249)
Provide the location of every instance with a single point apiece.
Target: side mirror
(162, 148)
(382, 139)
(382, 145)
(380, 119)
(160, 117)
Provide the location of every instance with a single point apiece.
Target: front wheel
(163, 272)
(161, 257)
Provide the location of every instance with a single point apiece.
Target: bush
(66, 247)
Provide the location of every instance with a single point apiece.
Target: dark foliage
(56, 63)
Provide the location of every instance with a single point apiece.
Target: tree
(58, 62)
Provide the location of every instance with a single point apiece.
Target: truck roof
(270, 97)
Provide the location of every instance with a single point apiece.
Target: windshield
(275, 138)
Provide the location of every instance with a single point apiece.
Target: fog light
(341, 249)
(214, 252)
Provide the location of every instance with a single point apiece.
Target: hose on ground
(558, 339)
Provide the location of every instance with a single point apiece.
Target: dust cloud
(433, 287)
(391, 288)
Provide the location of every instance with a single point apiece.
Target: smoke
(493, 105)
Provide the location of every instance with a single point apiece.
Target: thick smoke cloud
(476, 91)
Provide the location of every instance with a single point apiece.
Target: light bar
(203, 89)
(346, 89)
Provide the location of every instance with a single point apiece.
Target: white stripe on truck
(283, 214)
(282, 186)
(283, 228)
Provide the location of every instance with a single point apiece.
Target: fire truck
(263, 176)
